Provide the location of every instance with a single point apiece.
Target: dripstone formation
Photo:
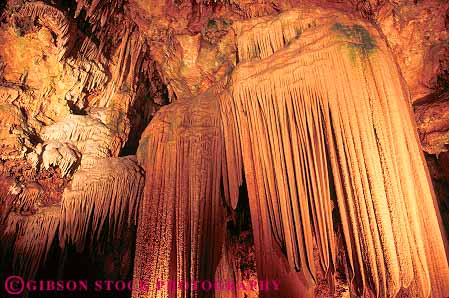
(302, 143)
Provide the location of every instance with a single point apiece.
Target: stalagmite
(181, 222)
(105, 193)
(324, 108)
(29, 238)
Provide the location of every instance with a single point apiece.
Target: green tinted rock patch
(361, 39)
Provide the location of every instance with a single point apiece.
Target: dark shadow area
(241, 240)
(439, 172)
(103, 269)
(151, 95)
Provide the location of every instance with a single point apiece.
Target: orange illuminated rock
(30, 238)
(14, 132)
(330, 104)
(432, 118)
(417, 34)
(181, 151)
(299, 105)
(104, 193)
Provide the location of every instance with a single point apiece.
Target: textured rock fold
(330, 103)
(105, 193)
(181, 222)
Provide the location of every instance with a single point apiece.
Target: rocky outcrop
(417, 34)
(432, 117)
(65, 112)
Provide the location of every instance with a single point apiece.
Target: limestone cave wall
(305, 141)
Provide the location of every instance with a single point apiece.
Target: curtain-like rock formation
(317, 116)
(181, 225)
(106, 193)
(313, 112)
(29, 238)
(332, 103)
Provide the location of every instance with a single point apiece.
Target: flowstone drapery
(300, 117)
(181, 225)
(317, 116)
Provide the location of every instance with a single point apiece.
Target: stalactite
(232, 166)
(107, 192)
(9, 190)
(92, 138)
(91, 74)
(181, 221)
(91, 51)
(19, 198)
(331, 104)
(129, 61)
(256, 42)
(62, 155)
(54, 19)
(98, 12)
(29, 238)
(28, 199)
